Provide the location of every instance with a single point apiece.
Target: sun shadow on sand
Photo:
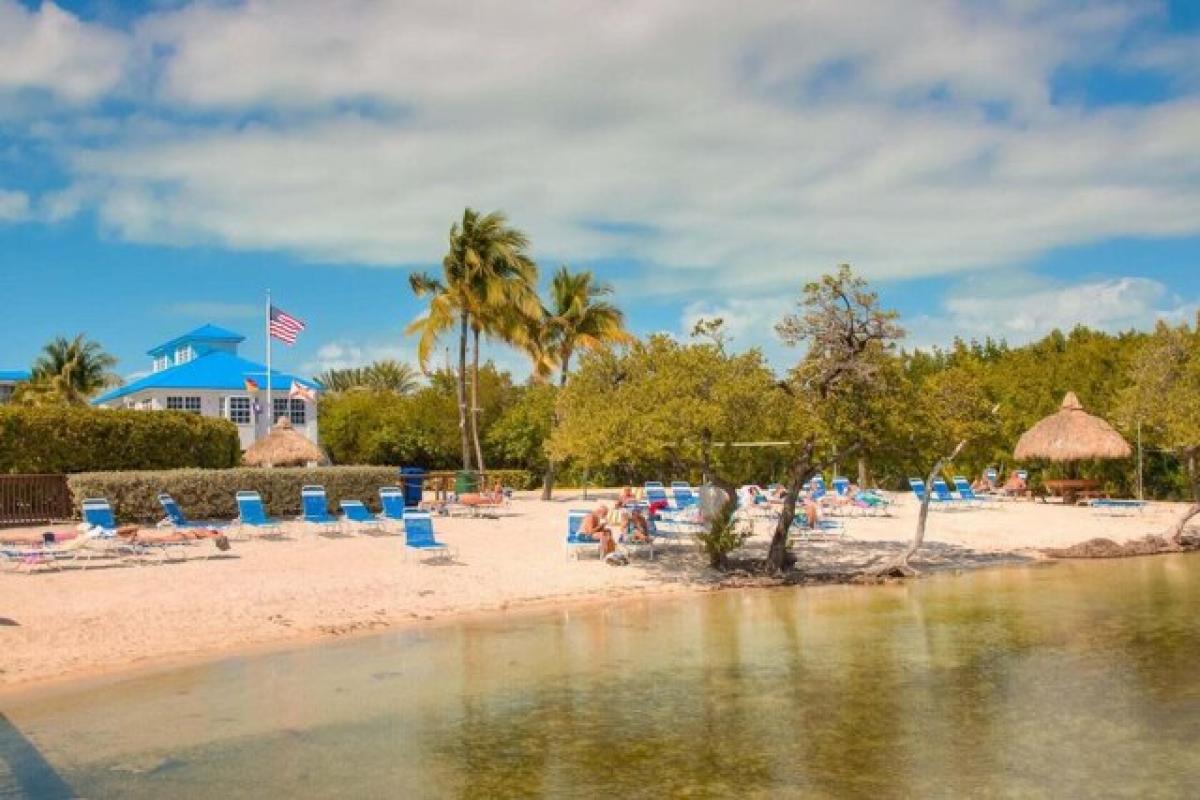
(823, 560)
(24, 772)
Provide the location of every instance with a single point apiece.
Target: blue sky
(994, 168)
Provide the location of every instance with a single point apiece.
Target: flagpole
(267, 331)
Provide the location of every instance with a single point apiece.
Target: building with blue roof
(9, 378)
(201, 372)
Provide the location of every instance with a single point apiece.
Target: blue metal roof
(216, 370)
(14, 375)
(205, 333)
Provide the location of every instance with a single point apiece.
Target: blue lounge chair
(316, 510)
(418, 535)
(391, 500)
(684, 496)
(918, 489)
(825, 528)
(968, 494)
(102, 534)
(657, 494)
(175, 517)
(946, 497)
(841, 485)
(354, 512)
(252, 515)
(573, 542)
(655, 484)
(993, 477)
(680, 485)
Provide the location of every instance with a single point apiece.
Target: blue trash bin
(413, 481)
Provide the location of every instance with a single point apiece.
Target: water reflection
(1074, 680)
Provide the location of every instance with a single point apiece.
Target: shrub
(209, 494)
(57, 439)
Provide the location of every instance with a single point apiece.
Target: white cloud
(52, 50)
(14, 206)
(1021, 308)
(752, 145)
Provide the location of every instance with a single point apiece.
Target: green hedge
(56, 439)
(209, 494)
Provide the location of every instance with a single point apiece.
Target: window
(292, 408)
(161, 363)
(239, 410)
(184, 354)
(191, 404)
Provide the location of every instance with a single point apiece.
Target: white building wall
(213, 403)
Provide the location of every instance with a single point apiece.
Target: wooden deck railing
(31, 499)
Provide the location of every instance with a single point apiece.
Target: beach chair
(824, 529)
(655, 484)
(680, 485)
(391, 500)
(101, 538)
(176, 518)
(354, 512)
(657, 494)
(574, 544)
(841, 485)
(918, 489)
(993, 477)
(1116, 508)
(684, 496)
(315, 506)
(942, 492)
(252, 516)
(35, 557)
(418, 535)
(968, 494)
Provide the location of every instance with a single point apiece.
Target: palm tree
(69, 371)
(387, 375)
(579, 318)
(486, 274)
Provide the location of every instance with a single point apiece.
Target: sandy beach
(78, 623)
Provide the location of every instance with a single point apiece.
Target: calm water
(1066, 681)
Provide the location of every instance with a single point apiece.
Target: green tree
(486, 274)
(68, 371)
(518, 438)
(387, 375)
(1165, 395)
(846, 333)
(672, 406)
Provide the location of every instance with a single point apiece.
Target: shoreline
(34, 689)
(75, 627)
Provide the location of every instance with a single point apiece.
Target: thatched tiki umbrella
(1071, 435)
(284, 446)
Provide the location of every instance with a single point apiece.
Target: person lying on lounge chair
(595, 527)
(493, 498)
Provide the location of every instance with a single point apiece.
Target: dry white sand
(81, 622)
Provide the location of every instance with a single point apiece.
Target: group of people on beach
(625, 520)
(1015, 486)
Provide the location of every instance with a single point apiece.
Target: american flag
(284, 327)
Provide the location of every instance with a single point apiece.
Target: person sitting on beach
(595, 527)
(639, 527)
(1015, 486)
(983, 485)
(626, 497)
(778, 493)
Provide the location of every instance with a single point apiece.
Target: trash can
(413, 481)
(466, 481)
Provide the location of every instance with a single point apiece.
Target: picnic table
(1072, 490)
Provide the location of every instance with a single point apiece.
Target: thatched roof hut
(284, 446)
(1072, 434)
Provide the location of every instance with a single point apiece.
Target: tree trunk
(461, 385)
(802, 470)
(1176, 534)
(548, 476)
(899, 566)
(475, 410)
(862, 472)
